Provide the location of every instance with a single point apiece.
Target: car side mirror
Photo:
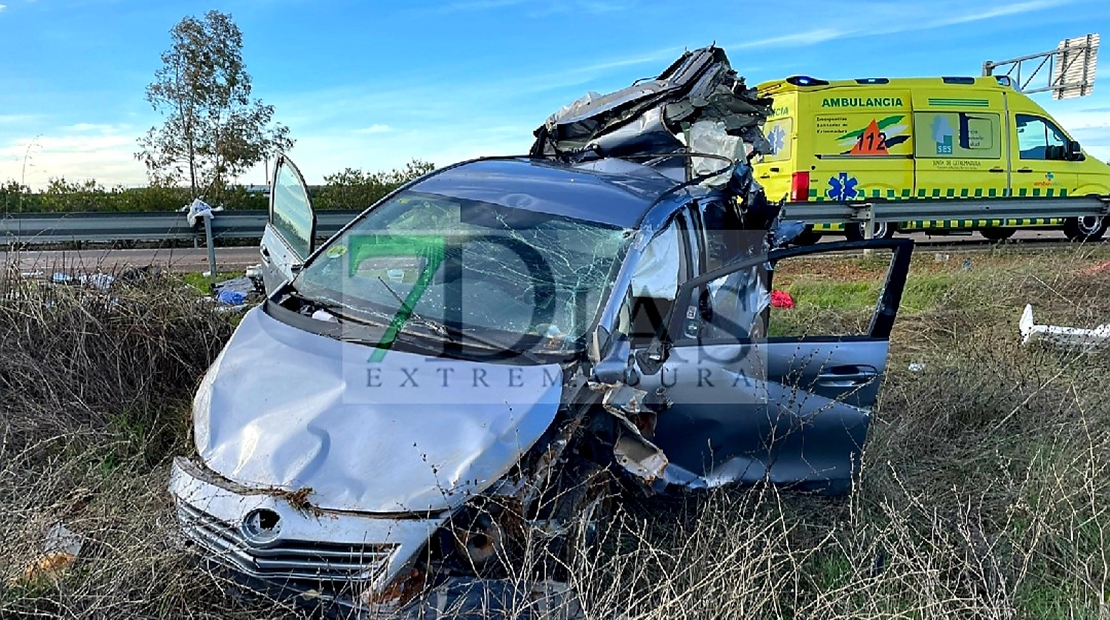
(1074, 152)
(615, 366)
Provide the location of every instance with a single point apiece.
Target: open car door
(290, 232)
(782, 396)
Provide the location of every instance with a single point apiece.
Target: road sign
(1073, 73)
(1070, 69)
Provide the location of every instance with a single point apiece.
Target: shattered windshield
(432, 264)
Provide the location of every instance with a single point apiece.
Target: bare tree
(213, 130)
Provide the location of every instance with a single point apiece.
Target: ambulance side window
(1039, 138)
(964, 135)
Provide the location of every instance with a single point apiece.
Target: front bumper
(340, 562)
(335, 557)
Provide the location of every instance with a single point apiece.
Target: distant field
(984, 493)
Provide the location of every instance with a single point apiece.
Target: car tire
(997, 234)
(1090, 228)
(883, 230)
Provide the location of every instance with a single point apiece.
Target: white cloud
(92, 127)
(898, 18)
(3, 7)
(375, 128)
(101, 152)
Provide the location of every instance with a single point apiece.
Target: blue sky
(373, 84)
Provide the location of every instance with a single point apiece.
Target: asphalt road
(186, 260)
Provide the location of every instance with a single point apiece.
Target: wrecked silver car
(431, 404)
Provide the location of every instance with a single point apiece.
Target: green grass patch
(203, 283)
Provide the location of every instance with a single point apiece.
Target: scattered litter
(781, 299)
(236, 294)
(1090, 271)
(324, 315)
(917, 367)
(197, 210)
(1074, 337)
(940, 258)
(966, 264)
(97, 280)
(59, 552)
(230, 298)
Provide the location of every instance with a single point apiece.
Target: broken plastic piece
(60, 550)
(1073, 337)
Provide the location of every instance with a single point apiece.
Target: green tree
(213, 130)
(355, 189)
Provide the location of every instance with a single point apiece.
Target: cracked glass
(435, 265)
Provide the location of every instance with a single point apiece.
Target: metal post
(211, 245)
(869, 227)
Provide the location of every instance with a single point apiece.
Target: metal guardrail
(947, 209)
(44, 228)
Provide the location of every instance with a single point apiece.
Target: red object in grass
(1090, 271)
(781, 299)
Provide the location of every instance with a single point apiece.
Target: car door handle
(997, 170)
(265, 252)
(1025, 170)
(846, 376)
(764, 176)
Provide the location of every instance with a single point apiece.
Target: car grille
(285, 560)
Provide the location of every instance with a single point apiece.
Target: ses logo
(942, 135)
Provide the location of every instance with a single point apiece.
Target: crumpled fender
(285, 408)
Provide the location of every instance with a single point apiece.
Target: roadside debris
(60, 550)
(198, 210)
(781, 299)
(1090, 271)
(1071, 337)
(96, 280)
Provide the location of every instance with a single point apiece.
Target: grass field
(984, 490)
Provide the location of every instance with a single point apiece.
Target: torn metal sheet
(1070, 337)
(652, 118)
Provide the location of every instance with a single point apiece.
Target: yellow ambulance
(942, 137)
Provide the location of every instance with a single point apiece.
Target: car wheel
(997, 234)
(582, 506)
(883, 230)
(1090, 228)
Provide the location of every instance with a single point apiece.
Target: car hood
(288, 410)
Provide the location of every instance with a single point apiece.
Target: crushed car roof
(613, 192)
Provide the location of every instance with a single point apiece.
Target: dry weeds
(984, 492)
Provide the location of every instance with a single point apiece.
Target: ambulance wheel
(1090, 228)
(997, 234)
(883, 230)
